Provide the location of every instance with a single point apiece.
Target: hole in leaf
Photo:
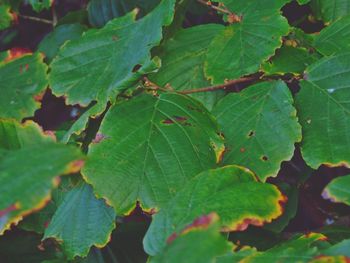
(136, 68)
(251, 134)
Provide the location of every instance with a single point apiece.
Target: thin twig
(37, 19)
(219, 87)
(209, 4)
(153, 86)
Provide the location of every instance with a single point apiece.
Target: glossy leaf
(338, 190)
(200, 242)
(149, 148)
(102, 62)
(227, 191)
(183, 61)
(334, 38)
(260, 127)
(323, 110)
(81, 221)
(233, 53)
(21, 79)
(30, 163)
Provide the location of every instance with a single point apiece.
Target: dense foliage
(175, 131)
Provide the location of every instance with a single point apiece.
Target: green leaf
(241, 47)
(150, 147)
(289, 60)
(260, 127)
(290, 209)
(200, 242)
(227, 191)
(5, 17)
(40, 5)
(81, 221)
(334, 38)
(338, 190)
(102, 11)
(342, 248)
(27, 187)
(21, 80)
(183, 61)
(101, 63)
(298, 249)
(330, 10)
(54, 40)
(323, 110)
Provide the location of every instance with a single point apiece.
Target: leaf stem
(219, 87)
(37, 19)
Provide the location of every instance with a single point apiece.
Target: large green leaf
(102, 11)
(21, 80)
(183, 61)
(200, 242)
(101, 63)
(150, 147)
(227, 191)
(240, 48)
(330, 10)
(30, 163)
(324, 112)
(260, 127)
(334, 38)
(338, 190)
(81, 221)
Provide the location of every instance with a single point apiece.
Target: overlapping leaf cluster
(172, 138)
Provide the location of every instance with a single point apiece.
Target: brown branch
(209, 4)
(232, 17)
(153, 86)
(219, 87)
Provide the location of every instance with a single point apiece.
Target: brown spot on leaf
(115, 38)
(251, 133)
(242, 150)
(264, 158)
(136, 68)
(179, 119)
(201, 222)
